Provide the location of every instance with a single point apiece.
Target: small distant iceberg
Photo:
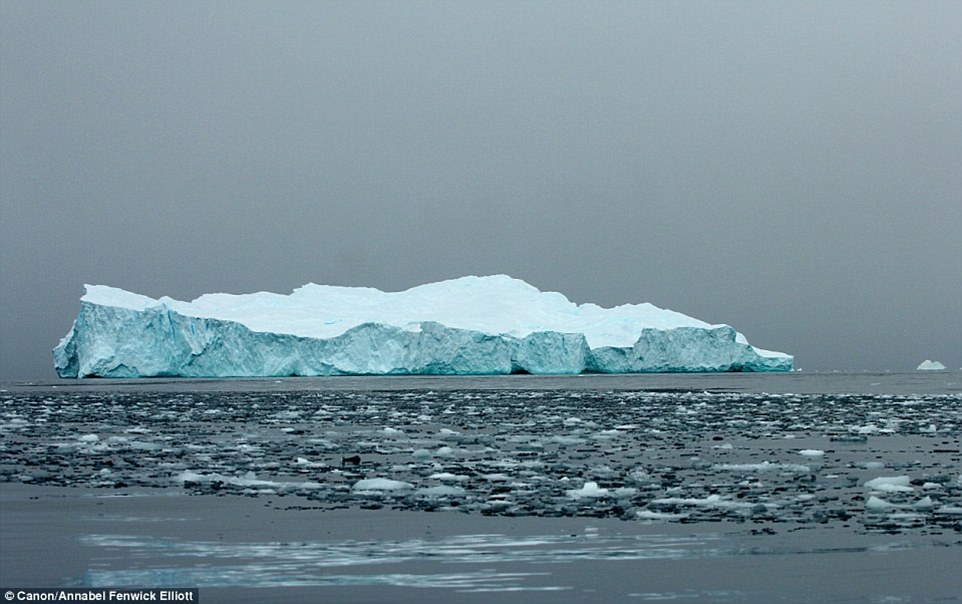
(928, 365)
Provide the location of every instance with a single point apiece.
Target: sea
(740, 487)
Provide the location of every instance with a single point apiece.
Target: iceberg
(467, 326)
(928, 365)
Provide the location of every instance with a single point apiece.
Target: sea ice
(442, 491)
(381, 484)
(471, 326)
(890, 484)
(761, 467)
(875, 503)
(590, 490)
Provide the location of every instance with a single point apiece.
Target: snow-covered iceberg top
(928, 365)
(471, 325)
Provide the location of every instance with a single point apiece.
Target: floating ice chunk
(498, 477)
(566, 440)
(762, 467)
(928, 365)
(890, 484)
(589, 490)
(875, 503)
(652, 515)
(925, 503)
(467, 326)
(306, 463)
(392, 431)
(812, 452)
(247, 480)
(89, 438)
(448, 477)
(442, 491)
(711, 501)
(951, 510)
(381, 484)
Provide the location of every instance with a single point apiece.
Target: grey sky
(793, 169)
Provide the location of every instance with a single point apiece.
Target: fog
(791, 169)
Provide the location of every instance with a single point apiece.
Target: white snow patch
(496, 304)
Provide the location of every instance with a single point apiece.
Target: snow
(928, 365)
(471, 325)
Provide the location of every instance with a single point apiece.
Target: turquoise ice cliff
(466, 326)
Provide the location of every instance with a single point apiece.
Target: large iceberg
(466, 326)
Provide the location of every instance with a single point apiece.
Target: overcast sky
(793, 169)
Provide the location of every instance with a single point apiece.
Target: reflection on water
(715, 595)
(502, 558)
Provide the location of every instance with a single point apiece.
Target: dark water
(915, 382)
(857, 463)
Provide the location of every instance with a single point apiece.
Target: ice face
(467, 326)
